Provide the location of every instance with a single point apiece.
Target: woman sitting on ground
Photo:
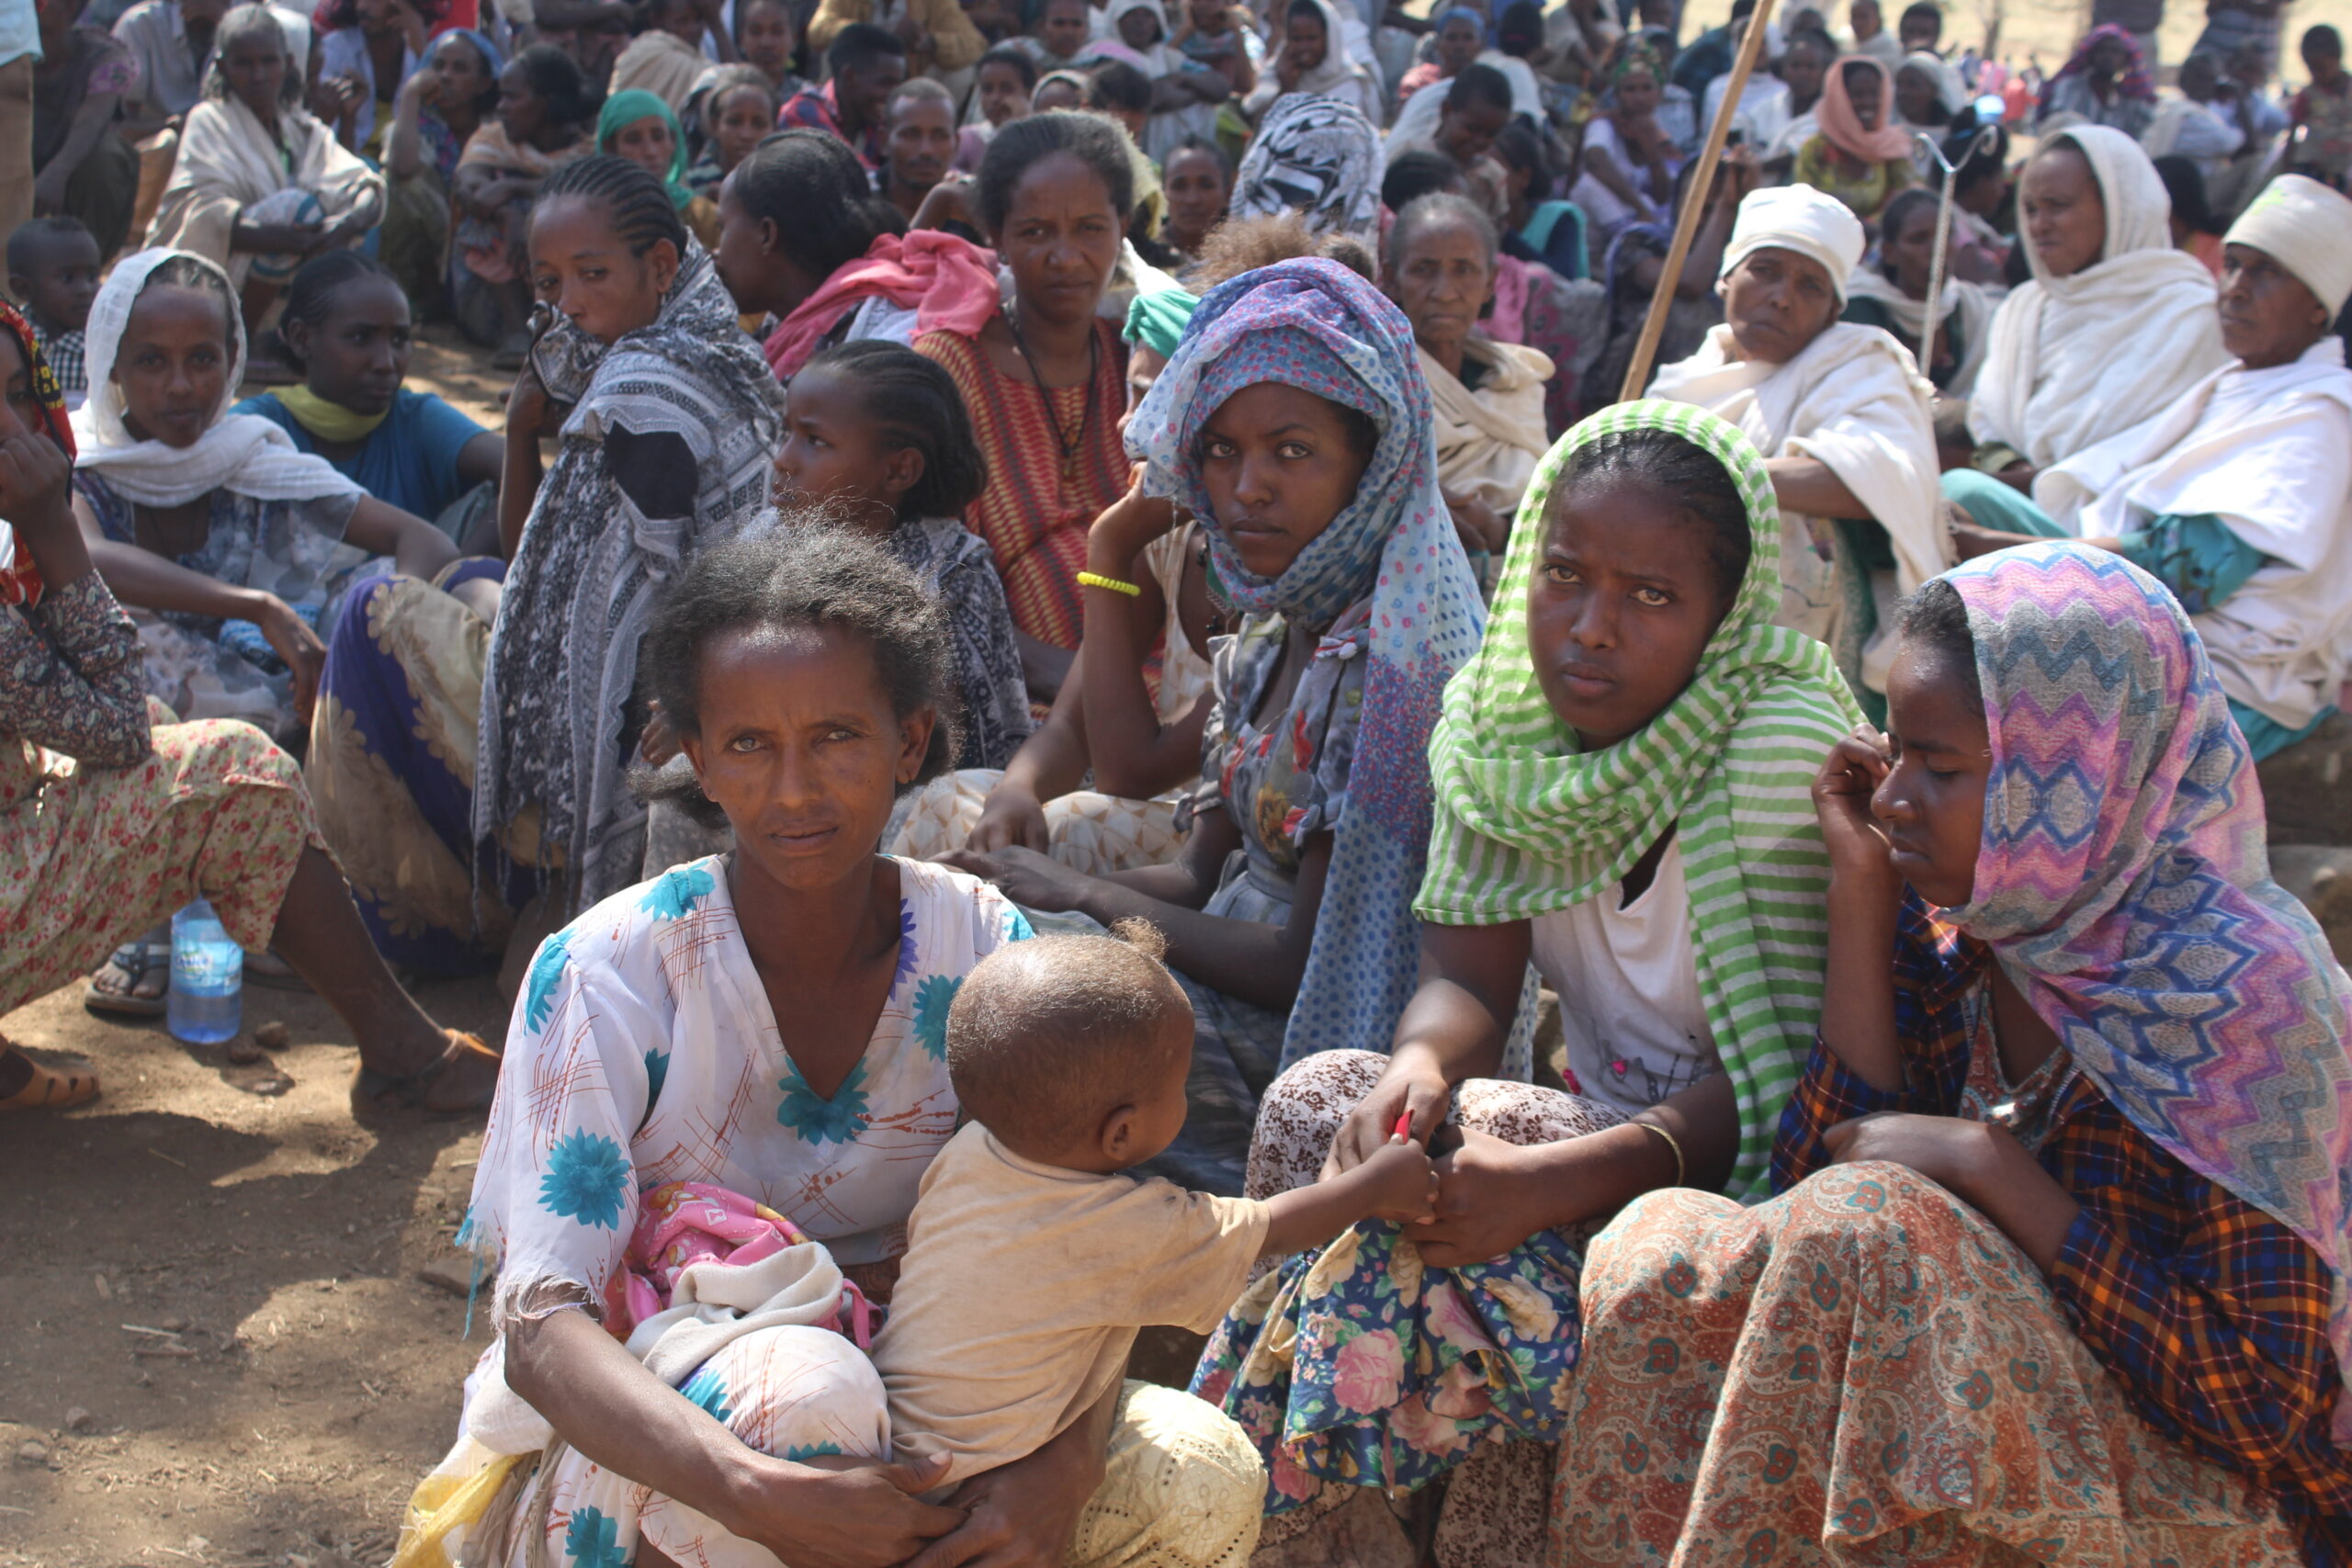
(1840, 412)
(2115, 326)
(543, 112)
(1631, 163)
(1293, 422)
(367, 52)
(260, 185)
(1893, 296)
(2062, 1203)
(2239, 497)
(809, 679)
(1314, 58)
(1045, 375)
(733, 110)
(347, 324)
(639, 127)
(112, 822)
(1860, 155)
(1635, 737)
(1488, 396)
(437, 111)
(804, 241)
(665, 450)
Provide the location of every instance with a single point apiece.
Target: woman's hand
(1030, 879)
(1411, 1083)
(659, 741)
(35, 489)
(1025, 1514)
(1122, 529)
(1482, 528)
(1842, 799)
(530, 412)
(856, 1514)
(480, 595)
(291, 639)
(1954, 1153)
(1287, 70)
(1489, 1199)
(275, 239)
(1011, 815)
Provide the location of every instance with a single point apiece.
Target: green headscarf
(1158, 319)
(626, 109)
(1526, 824)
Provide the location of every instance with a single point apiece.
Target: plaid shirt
(815, 109)
(63, 353)
(2212, 1315)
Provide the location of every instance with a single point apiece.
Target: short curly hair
(790, 571)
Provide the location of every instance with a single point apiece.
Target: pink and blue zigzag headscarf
(1317, 325)
(2125, 883)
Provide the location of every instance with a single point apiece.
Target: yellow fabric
(443, 1506)
(328, 422)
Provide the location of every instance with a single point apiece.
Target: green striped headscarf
(1527, 824)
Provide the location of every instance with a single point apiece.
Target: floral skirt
(1363, 1367)
(1863, 1370)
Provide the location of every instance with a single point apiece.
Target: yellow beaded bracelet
(1096, 580)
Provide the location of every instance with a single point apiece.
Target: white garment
(1489, 441)
(2271, 453)
(2307, 229)
(1343, 73)
(2075, 360)
(1811, 223)
(1600, 204)
(1791, 138)
(1974, 302)
(228, 161)
(1853, 400)
(344, 52)
(1763, 109)
(1634, 1025)
(1416, 120)
(242, 452)
(2194, 131)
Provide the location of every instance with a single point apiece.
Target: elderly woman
(261, 184)
(1860, 155)
(1488, 396)
(2238, 498)
(2115, 325)
(652, 1099)
(1894, 295)
(1839, 411)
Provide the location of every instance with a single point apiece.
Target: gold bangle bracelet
(1680, 1170)
(1096, 580)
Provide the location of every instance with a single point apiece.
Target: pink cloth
(951, 282)
(1843, 127)
(682, 1223)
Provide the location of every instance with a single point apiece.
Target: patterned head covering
(20, 577)
(1318, 157)
(626, 108)
(2124, 884)
(1634, 52)
(1314, 324)
(1526, 823)
(2132, 82)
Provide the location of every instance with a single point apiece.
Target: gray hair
(1438, 208)
(250, 20)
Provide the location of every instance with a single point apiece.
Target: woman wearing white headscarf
(1840, 415)
(1315, 57)
(2115, 325)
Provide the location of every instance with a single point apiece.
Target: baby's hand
(1399, 1182)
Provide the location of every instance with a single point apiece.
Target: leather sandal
(436, 1086)
(139, 960)
(48, 1089)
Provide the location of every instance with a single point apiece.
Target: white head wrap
(240, 452)
(1798, 217)
(2307, 229)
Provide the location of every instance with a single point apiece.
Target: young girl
(2061, 1223)
(666, 449)
(875, 434)
(768, 36)
(543, 108)
(1293, 422)
(734, 113)
(1006, 76)
(1860, 155)
(1630, 747)
(636, 126)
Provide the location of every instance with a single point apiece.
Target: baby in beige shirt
(1032, 1258)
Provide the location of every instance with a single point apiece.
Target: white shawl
(242, 453)
(2075, 360)
(1342, 73)
(1488, 441)
(228, 161)
(1973, 301)
(1852, 401)
(2271, 453)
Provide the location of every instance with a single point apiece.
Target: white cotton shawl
(1489, 441)
(228, 161)
(1852, 401)
(2269, 452)
(2075, 360)
(1974, 302)
(1342, 73)
(239, 452)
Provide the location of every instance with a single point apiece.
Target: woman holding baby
(653, 1113)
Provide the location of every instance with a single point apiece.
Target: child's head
(765, 34)
(810, 681)
(53, 269)
(1058, 90)
(1474, 113)
(877, 433)
(346, 321)
(2322, 51)
(1122, 93)
(605, 244)
(1007, 77)
(1212, 18)
(178, 344)
(1074, 1050)
(1932, 803)
(541, 90)
(1645, 543)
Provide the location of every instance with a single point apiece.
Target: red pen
(1403, 1127)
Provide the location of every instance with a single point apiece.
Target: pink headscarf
(1844, 126)
(951, 282)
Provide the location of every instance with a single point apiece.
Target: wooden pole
(1702, 194)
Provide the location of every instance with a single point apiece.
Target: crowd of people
(1079, 615)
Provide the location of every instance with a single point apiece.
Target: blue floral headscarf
(1315, 325)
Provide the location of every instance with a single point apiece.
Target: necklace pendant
(1070, 470)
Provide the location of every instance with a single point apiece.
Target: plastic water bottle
(208, 1001)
